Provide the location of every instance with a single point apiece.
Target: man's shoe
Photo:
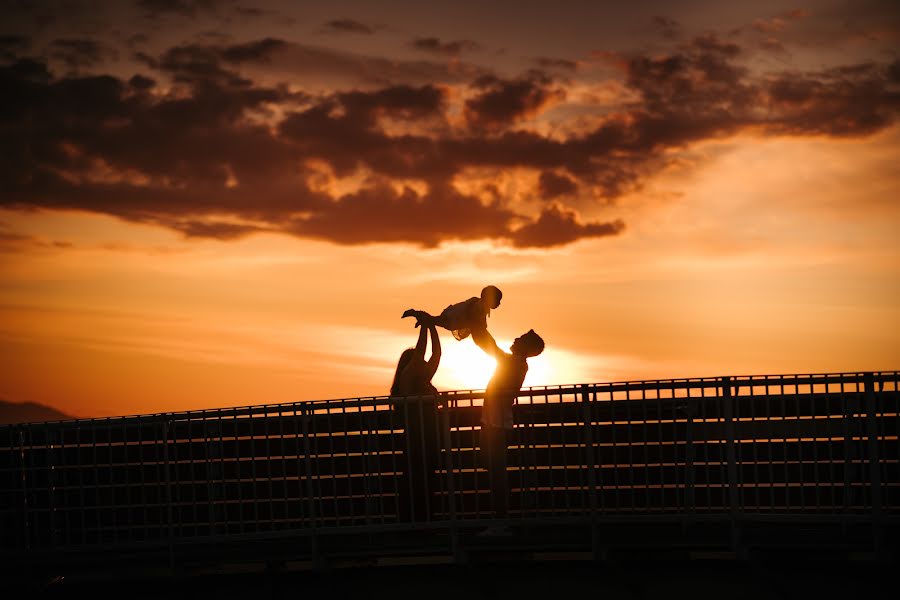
(494, 531)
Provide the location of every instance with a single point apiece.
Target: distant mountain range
(28, 412)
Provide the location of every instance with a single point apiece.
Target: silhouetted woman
(419, 418)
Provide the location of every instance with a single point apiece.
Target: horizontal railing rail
(818, 445)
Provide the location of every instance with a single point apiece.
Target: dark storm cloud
(13, 45)
(139, 82)
(436, 46)
(185, 8)
(258, 51)
(211, 229)
(198, 159)
(348, 26)
(894, 71)
(249, 11)
(849, 101)
(552, 185)
(563, 64)
(504, 101)
(668, 27)
(558, 227)
(317, 64)
(380, 214)
(185, 149)
(81, 53)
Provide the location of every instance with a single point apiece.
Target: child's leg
(422, 317)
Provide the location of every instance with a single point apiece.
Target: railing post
(731, 456)
(690, 498)
(590, 457)
(874, 462)
(455, 549)
(310, 490)
(171, 541)
(26, 530)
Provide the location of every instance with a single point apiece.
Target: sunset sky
(207, 203)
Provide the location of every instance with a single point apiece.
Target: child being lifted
(467, 316)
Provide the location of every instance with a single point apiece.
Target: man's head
(528, 344)
(491, 296)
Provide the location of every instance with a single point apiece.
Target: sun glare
(463, 367)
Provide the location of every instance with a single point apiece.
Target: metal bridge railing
(798, 446)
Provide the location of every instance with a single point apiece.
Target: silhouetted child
(464, 317)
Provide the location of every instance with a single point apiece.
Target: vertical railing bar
(299, 437)
(614, 450)
(587, 405)
(192, 476)
(50, 466)
(663, 469)
(755, 441)
(207, 458)
(117, 532)
(799, 424)
(630, 445)
(817, 490)
(770, 444)
(728, 407)
(380, 457)
(145, 509)
(255, 496)
(285, 523)
(396, 481)
(66, 475)
(645, 428)
(26, 512)
(645, 440)
(689, 455)
(98, 510)
(451, 488)
(408, 505)
(567, 493)
(81, 483)
(874, 462)
(329, 412)
(847, 413)
(115, 487)
(310, 482)
(783, 422)
(266, 420)
(365, 427)
(829, 425)
(240, 468)
(424, 463)
(171, 540)
(223, 484)
(347, 453)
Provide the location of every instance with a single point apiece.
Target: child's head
(491, 296)
(528, 344)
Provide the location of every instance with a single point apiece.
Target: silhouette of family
(413, 378)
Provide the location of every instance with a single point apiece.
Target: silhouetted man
(497, 413)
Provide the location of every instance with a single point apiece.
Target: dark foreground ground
(549, 580)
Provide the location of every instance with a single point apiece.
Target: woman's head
(405, 359)
(491, 296)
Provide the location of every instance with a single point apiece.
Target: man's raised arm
(485, 341)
